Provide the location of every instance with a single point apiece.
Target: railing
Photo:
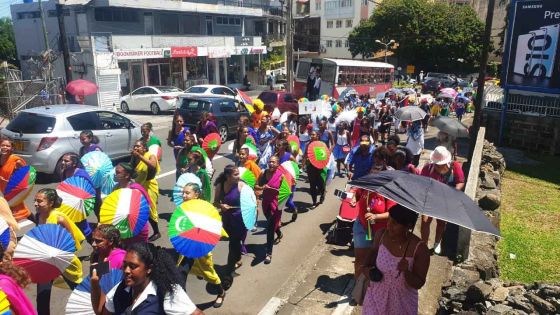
(527, 104)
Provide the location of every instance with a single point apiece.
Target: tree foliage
(7, 41)
(429, 34)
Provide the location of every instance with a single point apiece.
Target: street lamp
(386, 46)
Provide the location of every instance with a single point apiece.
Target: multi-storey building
(122, 45)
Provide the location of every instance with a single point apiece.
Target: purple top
(208, 128)
(232, 197)
(92, 147)
(285, 157)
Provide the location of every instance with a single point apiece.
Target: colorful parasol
(247, 176)
(79, 302)
(78, 198)
(156, 150)
(284, 193)
(450, 91)
(20, 184)
(303, 100)
(127, 209)
(207, 161)
(108, 184)
(293, 141)
(248, 204)
(183, 180)
(253, 152)
(97, 164)
(318, 154)
(4, 234)
(291, 168)
(251, 140)
(81, 87)
(45, 252)
(211, 144)
(5, 304)
(195, 228)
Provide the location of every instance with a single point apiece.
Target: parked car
(153, 98)
(431, 86)
(226, 111)
(42, 135)
(284, 101)
(212, 90)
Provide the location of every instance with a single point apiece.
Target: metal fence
(534, 105)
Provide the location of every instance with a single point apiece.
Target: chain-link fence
(527, 104)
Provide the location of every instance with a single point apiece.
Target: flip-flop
(219, 300)
(268, 259)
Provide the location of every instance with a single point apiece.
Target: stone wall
(539, 134)
(474, 287)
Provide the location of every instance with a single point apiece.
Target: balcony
(336, 9)
(228, 7)
(162, 41)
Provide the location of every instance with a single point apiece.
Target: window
(329, 43)
(348, 23)
(65, 12)
(338, 43)
(28, 15)
(223, 20)
(227, 106)
(115, 15)
(222, 91)
(338, 23)
(84, 121)
(346, 43)
(318, 5)
(365, 2)
(31, 123)
(345, 3)
(329, 24)
(112, 121)
(196, 89)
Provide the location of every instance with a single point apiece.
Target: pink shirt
(452, 178)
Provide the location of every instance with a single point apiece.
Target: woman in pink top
(12, 281)
(397, 267)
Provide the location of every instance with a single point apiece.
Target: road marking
(217, 157)
(272, 306)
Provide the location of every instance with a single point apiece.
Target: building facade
(122, 45)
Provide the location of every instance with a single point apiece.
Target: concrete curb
(291, 284)
(344, 307)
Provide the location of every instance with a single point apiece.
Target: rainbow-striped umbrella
(211, 144)
(293, 141)
(4, 234)
(127, 209)
(19, 185)
(195, 228)
(79, 302)
(45, 252)
(183, 180)
(5, 304)
(247, 176)
(78, 198)
(253, 152)
(97, 164)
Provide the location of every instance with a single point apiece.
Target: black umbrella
(429, 197)
(410, 113)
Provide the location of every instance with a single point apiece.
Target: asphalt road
(257, 282)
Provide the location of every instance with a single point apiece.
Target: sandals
(238, 264)
(278, 238)
(154, 237)
(268, 259)
(220, 300)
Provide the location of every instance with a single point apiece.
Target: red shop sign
(188, 51)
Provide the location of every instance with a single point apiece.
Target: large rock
(490, 199)
(463, 278)
(540, 304)
(487, 181)
(499, 294)
(501, 309)
(478, 292)
(455, 294)
(549, 291)
(521, 303)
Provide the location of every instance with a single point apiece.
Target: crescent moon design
(178, 223)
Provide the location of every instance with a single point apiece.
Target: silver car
(42, 135)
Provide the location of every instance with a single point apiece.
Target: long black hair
(165, 274)
(228, 171)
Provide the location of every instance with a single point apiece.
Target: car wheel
(154, 107)
(124, 107)
(223, 133)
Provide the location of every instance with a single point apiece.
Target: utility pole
(290, 47)
(44, 25)
(64, 42)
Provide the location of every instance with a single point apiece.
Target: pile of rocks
(492, 168)
(468, 294)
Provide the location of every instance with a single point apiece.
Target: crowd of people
(361, 135)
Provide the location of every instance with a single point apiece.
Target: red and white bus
(366, 77)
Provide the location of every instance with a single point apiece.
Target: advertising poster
(533, 60)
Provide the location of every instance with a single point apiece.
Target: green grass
(530, 222)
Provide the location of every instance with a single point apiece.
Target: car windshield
(195, 105)
(31, 123)
(197, 89)
(268, 97)
(168, 89)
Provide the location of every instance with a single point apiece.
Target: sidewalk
(327, 287)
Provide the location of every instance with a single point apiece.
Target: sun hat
(440, 156)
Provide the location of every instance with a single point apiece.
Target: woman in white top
(303, 133)
(150, 286)
(342, 147)
(415, 141)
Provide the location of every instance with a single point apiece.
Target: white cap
(440, 156)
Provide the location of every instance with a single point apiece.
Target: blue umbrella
(184, 179)
(4, 233)
(248, 204)
(97, 164)
(79, 302)
(109, 183)
(111, 279)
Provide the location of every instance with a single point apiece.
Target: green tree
(429, 34)
(7, 41)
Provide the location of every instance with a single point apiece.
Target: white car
(151, 98)
(212, 90)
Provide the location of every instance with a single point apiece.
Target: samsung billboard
(532, 60)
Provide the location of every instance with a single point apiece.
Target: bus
(337, 75)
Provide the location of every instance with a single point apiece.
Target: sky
(5, 6)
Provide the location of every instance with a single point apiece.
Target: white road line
(272, 306)
(217, 157)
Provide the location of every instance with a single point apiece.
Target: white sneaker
(437, 248)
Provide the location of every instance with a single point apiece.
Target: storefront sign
(218, 52)
(532, 60)
(243, 41)
(142, 53)
(188, 51)
(258, 50)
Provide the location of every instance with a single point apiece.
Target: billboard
(532, 59)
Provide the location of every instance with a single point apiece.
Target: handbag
(346, 149)
(360, 288)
